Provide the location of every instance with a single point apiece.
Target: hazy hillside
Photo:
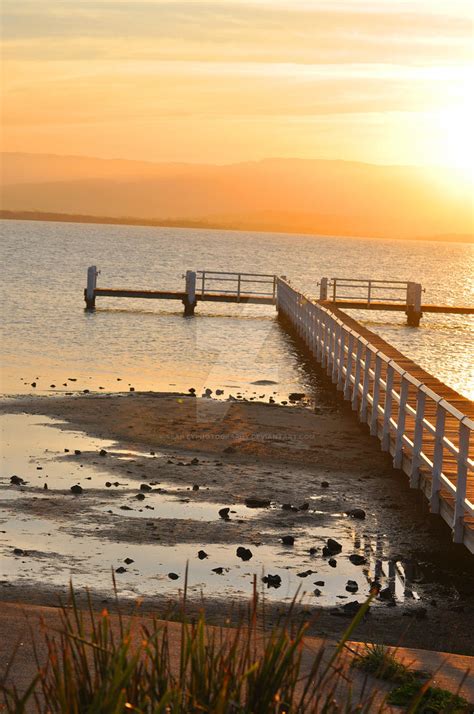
(332, 197)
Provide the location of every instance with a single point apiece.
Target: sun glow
(454, 137)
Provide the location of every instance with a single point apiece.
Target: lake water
(48, 338)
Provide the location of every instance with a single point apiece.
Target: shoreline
(276, 452)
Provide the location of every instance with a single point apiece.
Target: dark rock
(77, 489)
(116, 483)
(45, 486)
(288, 507)
(357, 513)
(53, 386)
(140, 496)
(243, 553)
(17, 481)
(120, 569)
(195, 487)
(85, 391)
(194, 461)
(352, 608)
(128, 561)
(296, 396)
(317, 592)
(108, 484)
(145, 487)
(357, 559)
(321, 583)
(77, 452)
(288, 540)
(219, 392)
(324, 484)
(313, 551)
(19, 551)
(352, 586)
(272, 581)
(132, 389)
(332, 562)
(33, 384)
(102, 452)
(305, 573)
(173, 576)
(386, 594)
(224, 513)
(303, 507)
(332, 547)
(191, 390)
(126, 508)
(202, 554)
(257, 502)
(66, 451)
(218, 570)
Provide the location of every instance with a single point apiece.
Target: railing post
(355, 393)
(347, 381)
(189, 300)
(91, 286)
(437, 458)
(337, 348)
(323, 289)
(398, 455)
(342, 354)
(458, 521)
(413, 310)
(238, 287)
(387, 409)
(417, 439)
(334, 289)
(365, 389)
(376, 396)
(369, 291)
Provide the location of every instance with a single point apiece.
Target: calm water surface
(47, 337)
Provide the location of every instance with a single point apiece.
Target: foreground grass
(95, 667)
(413, 691)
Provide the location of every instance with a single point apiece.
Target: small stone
(257, 502)
(66, 451)
(45, 486)
(52, 386)
(77, 452)
(173, 576)
(296, 396)
(191, 390)
(108, 484)
(128, 561)
(317, 592)
(132, 389)
(85, 391)
(272, 581)
(351, 608)
(303, 507)
(332, 547)
(17, 481)
(288, 540)
(386, 594)
(321, 583)
(76, 489)
(120, 569)
(33, 384)
(288, 507)
(102, 452)
(313, 551)
(332, 562)
(224, 513)
(244, 553)
(194, 461)
(195, 487)
(140, 496)
(202, 555)
(357, 513)
(305, 573)
(324, 484)
(352, 586)
(218, 570)
(125, 508)
(19, 551)
(219, 392)
(357, 559)
(145, 487)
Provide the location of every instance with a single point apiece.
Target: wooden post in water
(323, 289)
(91, 286)
(413, 311)
(189, 300)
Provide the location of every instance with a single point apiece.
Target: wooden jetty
(425, 425)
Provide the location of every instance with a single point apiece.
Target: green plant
(427, 700)
(379, 661)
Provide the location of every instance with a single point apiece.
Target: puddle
(177, 508)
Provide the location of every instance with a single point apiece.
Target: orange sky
(386, 81)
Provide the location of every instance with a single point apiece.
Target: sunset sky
(387, 81)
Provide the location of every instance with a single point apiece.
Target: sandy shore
(236, 450)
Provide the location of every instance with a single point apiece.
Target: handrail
(381, 396)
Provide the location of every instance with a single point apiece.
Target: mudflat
(167, 479)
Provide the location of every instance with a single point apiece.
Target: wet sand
(232, 451)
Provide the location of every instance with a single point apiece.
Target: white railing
(397, 406)
(368, 290)
(253, 284)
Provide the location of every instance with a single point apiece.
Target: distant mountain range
(288, 195)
